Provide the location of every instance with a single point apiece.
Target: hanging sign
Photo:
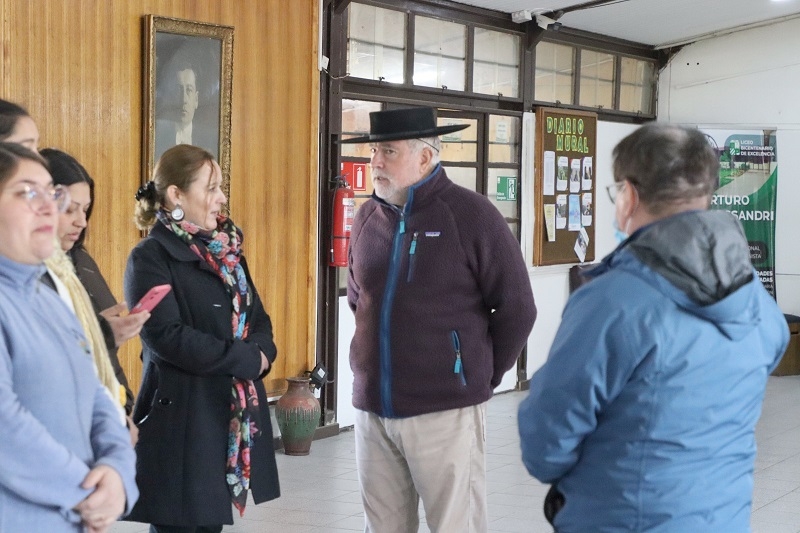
(564, 186)
(748, 185)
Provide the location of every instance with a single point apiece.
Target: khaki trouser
(440, 457)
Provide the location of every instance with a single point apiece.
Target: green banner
(748, 185)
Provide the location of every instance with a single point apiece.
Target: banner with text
(748, 185)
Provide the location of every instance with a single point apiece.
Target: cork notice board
(564, 186)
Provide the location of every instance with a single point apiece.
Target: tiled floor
(320, 491)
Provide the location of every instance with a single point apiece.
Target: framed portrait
(188, 75)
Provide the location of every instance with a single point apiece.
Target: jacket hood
(702, 259)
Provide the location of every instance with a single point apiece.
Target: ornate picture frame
(188, 81)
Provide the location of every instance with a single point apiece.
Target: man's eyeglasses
(37, 196)
(429, 144)
(613, 189)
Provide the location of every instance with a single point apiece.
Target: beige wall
(76, 65)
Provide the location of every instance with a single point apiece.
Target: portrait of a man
(187, 92)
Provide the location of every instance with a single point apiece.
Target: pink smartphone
(151, 299)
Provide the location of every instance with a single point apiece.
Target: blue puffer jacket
(644, 414)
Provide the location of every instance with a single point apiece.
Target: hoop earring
(177, 214)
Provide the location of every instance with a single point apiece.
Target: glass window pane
(461, 146)
(459, 151)
(563, 88)
(496, 68)
(355, 123)
(597, 79)
(637, 82)
(545, 86)
(464, 176)
(503, 192)
(439, 53)
(376, 43)
(503, 139)
(554, 72)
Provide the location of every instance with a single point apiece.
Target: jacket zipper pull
(411, 251)
(458, 368)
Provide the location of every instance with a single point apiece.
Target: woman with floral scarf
(205, 437)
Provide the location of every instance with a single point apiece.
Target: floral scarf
(220, 249)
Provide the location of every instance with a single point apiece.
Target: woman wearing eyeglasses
(67, 462)
(76, 277)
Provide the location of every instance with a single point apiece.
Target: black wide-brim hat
(400, 124)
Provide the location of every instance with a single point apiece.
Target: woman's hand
(264, 363)
(124, 327)
(133, 429)
(106, 503)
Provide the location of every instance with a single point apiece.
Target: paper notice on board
(563, 173)
(586, 209)
(586, 179)
(574, 212)
(550, 221)
(575, 176)
(549, 167)
(561, 211)
(582, 244)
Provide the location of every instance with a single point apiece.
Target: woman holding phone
(72, 226)
(205, 436)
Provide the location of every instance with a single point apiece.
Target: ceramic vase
(297, 413)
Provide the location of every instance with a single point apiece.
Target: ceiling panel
(656, 22)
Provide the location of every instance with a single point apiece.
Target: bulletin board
(564, 186)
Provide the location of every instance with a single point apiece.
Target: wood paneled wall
(76, 65)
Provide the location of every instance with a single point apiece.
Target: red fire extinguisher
(343, 210)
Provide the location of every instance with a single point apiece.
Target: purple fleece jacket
(442, 300)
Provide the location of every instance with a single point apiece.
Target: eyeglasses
(429, 144)
(613, 189)
(37, 196)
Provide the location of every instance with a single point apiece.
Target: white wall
(345, 412)
(748, 80)
(550, 284)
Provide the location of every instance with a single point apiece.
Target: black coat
(183, 407)
(102, 298)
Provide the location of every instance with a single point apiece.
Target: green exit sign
(506, 189)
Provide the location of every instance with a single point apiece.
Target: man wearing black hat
(443, 307)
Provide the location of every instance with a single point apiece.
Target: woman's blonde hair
(60, 264)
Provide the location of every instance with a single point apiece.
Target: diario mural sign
(564, 186)
(748, 185)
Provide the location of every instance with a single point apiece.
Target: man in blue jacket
(643, 416)
(443, 308)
